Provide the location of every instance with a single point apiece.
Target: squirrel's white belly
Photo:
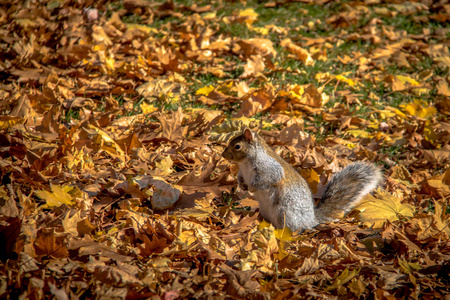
(265, 197)
(247, 173)
(267, 208)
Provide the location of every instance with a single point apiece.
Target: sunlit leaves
(301, 54)
(8, 122)
(227, 130)
(104, 142)
(344, 277)
(419, 109)
(205, 90)
(148, 108)
(376, 210)
(164, 166)
(60, 195)
(115, 115)
(308, 95)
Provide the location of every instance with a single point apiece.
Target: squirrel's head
(239, 146)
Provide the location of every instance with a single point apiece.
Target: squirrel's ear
(248, 135)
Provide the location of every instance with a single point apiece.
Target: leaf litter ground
(114, 116)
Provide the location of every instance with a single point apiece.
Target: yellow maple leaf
(59, 195)
(419, 109)
(400, 114)
(386, 113)
(78, 159)
(284, 234)
(344, 277)
(109, 64)
(323, 77)
(359, 133)
(205, 90)
(401, 82)
(308, 94)
(430, 132)
(261, 30)
(148, 108)
(376, 210)
(348, 81)
(249, 14)
(407, 80)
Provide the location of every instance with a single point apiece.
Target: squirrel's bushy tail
(346, 189)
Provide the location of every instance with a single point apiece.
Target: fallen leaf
(376, 210)
(302, 54)
(60, 195)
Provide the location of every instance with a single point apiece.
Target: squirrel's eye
(237, 146)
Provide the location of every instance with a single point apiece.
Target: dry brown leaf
(254, 68)
(172, 129)
(192, 183)
(302, 54)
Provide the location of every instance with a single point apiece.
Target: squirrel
(284, 197)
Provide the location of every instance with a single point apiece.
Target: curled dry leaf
(302, 54)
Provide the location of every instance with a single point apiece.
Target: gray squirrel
(284, 197)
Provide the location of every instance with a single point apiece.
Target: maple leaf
(47, 243)
(104, 142)
(172, 129)
(417, 108)
(70, 223)
(60, 195)
(255, 46)
(154, 245)
(343, 278)
(257, 101)
(148, 108)
(440, 184)
(193, 183)
(249, 15)
(376, 210)
(254, 67)
(205, 90)
(240, 284)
